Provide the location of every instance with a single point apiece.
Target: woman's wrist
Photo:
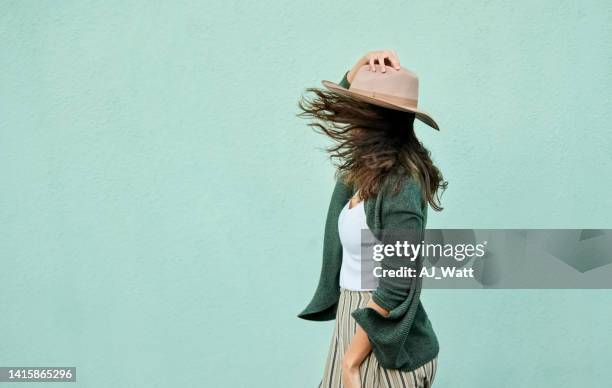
(349, 361)
(378, 308)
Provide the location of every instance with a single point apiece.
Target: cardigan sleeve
(402, 215)
(323, 305)
(344, 82)
(403, 221)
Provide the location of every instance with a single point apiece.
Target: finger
(394, 60)
(372, 66)
(381, 62)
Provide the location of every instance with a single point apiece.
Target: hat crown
(402, 84)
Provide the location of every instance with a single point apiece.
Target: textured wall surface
(161, 207)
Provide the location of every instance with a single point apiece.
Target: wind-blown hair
(372, 144)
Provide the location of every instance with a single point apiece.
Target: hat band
(408, 102)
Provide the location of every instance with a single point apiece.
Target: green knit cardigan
(405, 339)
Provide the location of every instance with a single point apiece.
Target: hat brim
(419, 114)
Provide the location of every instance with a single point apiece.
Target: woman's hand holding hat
(383, 58)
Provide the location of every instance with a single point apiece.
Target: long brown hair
(372, 144)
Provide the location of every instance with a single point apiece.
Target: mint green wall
(161, 207)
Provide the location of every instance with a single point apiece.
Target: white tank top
(350, 224)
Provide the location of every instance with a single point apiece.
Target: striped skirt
(372, 374)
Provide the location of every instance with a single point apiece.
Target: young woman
(385, 181)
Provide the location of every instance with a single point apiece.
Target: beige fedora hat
(393, 89)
